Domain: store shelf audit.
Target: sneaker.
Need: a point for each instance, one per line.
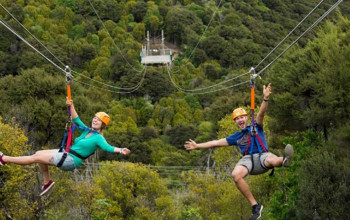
(256, 209)
(46, 187)
(2, 162)
(287, 155)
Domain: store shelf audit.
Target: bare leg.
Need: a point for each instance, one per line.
(45, 171)
(43, 158)
(273, 161)
(238, 175)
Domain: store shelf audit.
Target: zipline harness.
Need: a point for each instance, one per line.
(254, 135)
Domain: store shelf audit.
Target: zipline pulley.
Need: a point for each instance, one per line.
(69, 76)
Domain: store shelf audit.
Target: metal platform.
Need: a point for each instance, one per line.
(155, 56)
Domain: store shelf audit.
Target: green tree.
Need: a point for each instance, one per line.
(16, 181)
(133, 191)
(70, 3)
(139, 11)
(108, 10)
(163, 154)
(164, 112)
(156, 85)
(177, 21)
(212, 69)
(76, 32)
(36, 100)
(206, 131)
(148, 133)
(180, 134)
(213, 198)
(123, 64)
(153, 23)
(323, 188)
(199, 56)
(307, 94)
(8, 64)
(153, 20)
(214, 46)
(232, 19)
(139, 32)
(223, 105)
(197, 9)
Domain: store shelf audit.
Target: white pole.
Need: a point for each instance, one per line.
(148, 44)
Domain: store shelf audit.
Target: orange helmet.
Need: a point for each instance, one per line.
(238, 112)
(103, 117)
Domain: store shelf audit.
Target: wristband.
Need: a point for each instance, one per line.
(121, 150)
(266, 100)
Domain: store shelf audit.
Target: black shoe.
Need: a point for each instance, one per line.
(287, 156)
(256, 209)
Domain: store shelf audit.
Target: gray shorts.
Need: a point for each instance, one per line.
(259, 166)
(68, 164)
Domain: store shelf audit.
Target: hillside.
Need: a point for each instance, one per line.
(155, 109)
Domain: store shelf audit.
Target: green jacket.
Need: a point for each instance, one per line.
(86, 146)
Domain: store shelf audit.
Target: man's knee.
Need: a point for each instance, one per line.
(239, 173)
(236, 177)
(272, 161)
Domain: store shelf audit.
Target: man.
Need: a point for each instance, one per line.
(256, 158)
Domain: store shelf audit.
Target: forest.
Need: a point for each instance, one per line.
(155, 109)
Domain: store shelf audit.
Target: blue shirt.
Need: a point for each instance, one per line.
(240, 139)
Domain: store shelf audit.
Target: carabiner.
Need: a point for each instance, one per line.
(69, 76)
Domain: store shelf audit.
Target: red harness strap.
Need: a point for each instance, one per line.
(261, 143)
(248, 145)
(69, 140)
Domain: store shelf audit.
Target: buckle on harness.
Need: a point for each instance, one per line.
(253, 132)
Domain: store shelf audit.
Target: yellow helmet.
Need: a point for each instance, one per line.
(103, 117)
(238, 112)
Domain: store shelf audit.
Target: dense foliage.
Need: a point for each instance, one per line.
(308, 108)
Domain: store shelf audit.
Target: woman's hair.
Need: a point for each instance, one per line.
(103, 126)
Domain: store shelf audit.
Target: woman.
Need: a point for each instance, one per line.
(84, 146)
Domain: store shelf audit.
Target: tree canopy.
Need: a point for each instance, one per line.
(212, 43)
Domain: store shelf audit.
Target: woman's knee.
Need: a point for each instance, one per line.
(44, 156)
(36, 157)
